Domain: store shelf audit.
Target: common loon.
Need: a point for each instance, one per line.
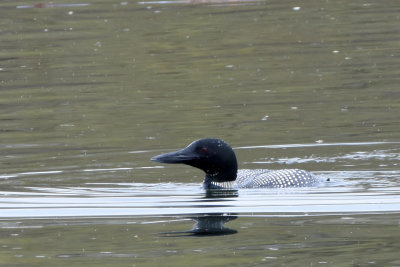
(217, 159)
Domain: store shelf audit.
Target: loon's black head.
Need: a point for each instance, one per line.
(215, 157)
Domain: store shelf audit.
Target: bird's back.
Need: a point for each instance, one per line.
(261, 178)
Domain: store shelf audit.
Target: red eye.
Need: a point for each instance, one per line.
(203, 149)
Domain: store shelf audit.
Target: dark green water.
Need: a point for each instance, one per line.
(90, 91)
(326, 240)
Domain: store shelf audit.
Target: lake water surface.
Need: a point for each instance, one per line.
(90, 91)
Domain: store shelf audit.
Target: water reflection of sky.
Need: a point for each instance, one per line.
(338, 197)
(372, 189)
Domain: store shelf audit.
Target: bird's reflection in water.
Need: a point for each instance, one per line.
(207, 225)
(221, 193)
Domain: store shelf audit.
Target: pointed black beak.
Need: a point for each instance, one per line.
(181, 156)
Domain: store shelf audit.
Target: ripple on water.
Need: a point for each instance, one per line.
(373, 189)
(348, 195)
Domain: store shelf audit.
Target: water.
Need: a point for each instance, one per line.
(90, 91)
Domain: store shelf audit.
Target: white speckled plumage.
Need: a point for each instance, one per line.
(274, 178)
(261, 178)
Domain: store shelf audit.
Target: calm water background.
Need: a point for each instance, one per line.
(89, 91)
